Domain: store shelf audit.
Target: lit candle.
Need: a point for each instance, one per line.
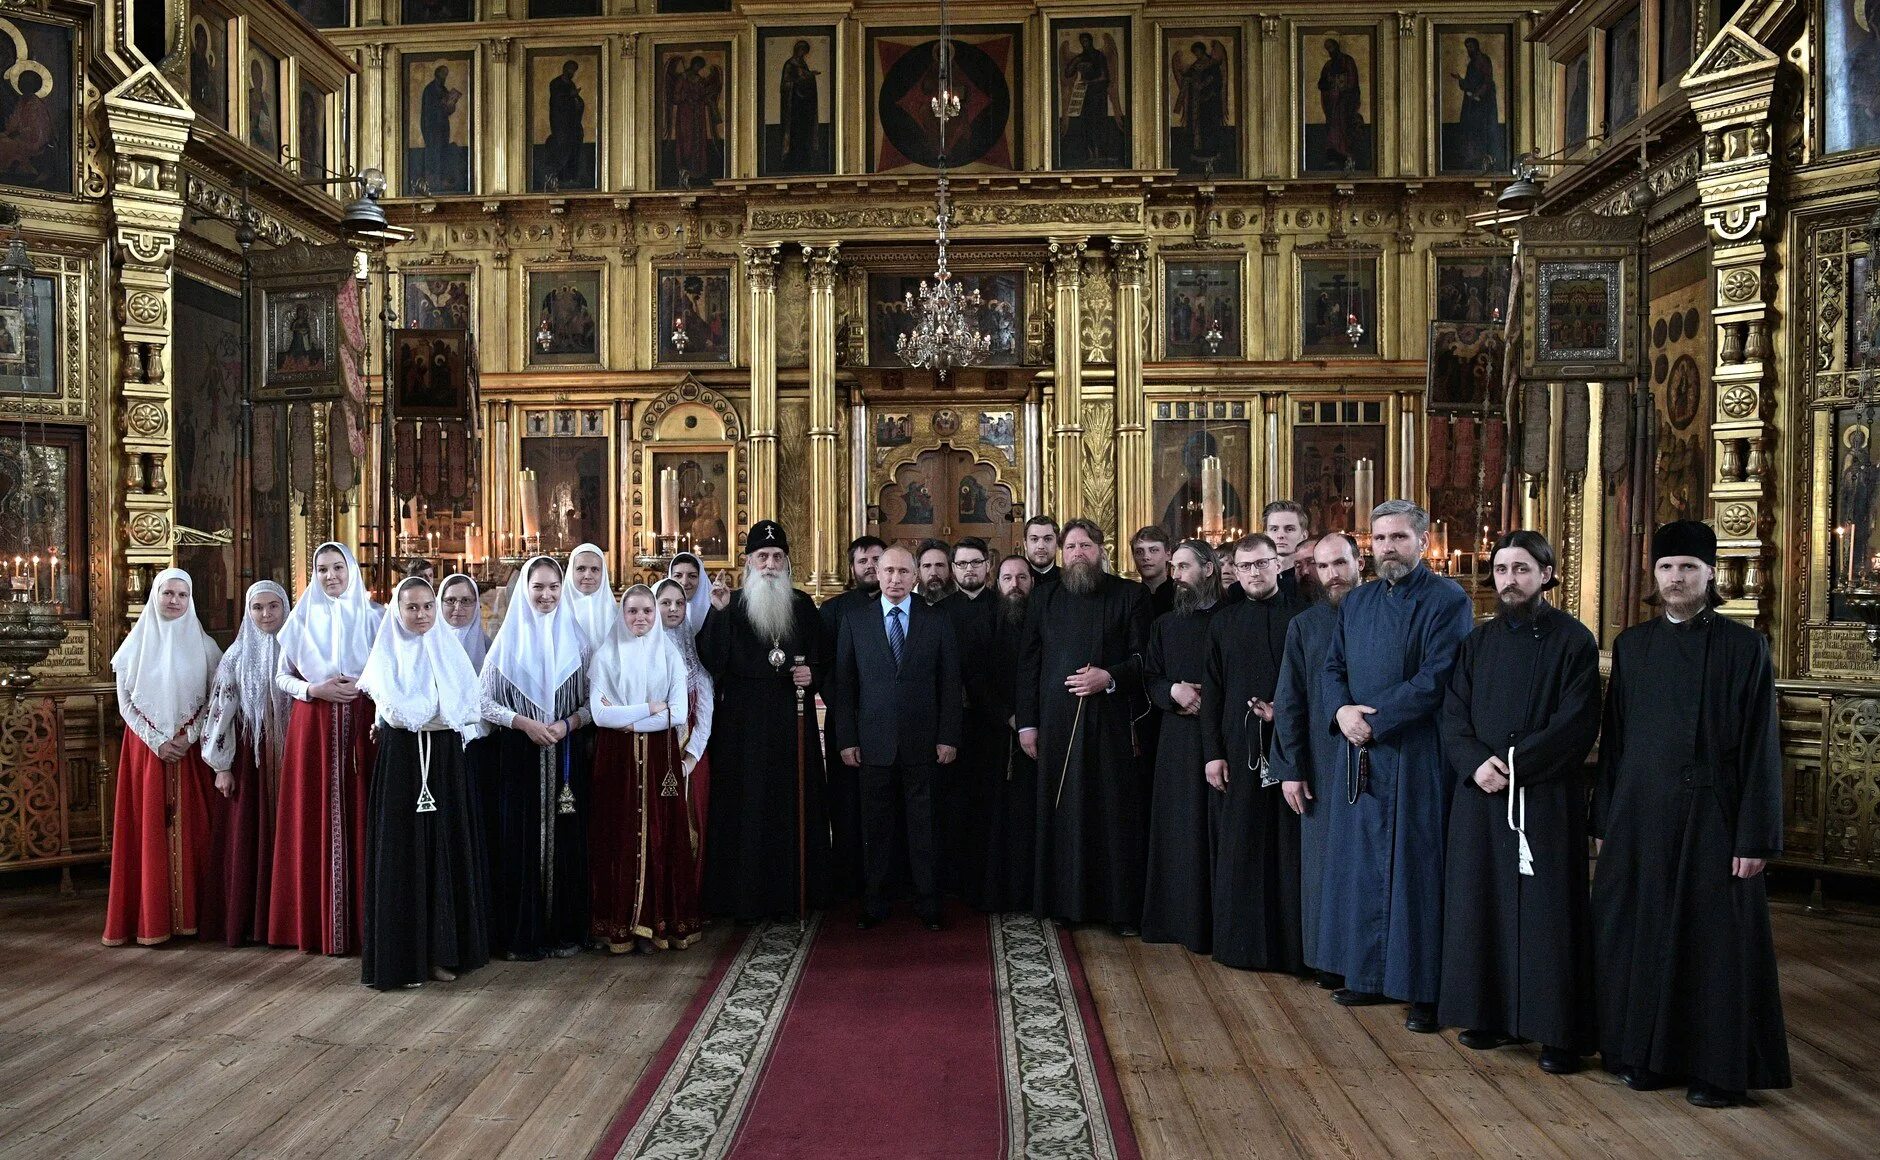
(1364, 480)
(669, 502)
(54, 595)
(531, 506)
(1212, 501)
(1841, 558)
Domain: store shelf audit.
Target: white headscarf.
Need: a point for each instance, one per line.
(634, 670)
(415, 679)
(535, 654)
(164, 668)
(475, 641)
(700, 602)
(327, 636)
(244, 690)
(593, 611)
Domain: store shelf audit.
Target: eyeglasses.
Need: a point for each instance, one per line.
(459, 601)
(1260, 565)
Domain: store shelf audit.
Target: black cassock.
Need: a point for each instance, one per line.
(1176, 905)
(1093, 807)
(845, 783)
(1689, 778)
(425, 890)
(1517, 948)
(964, 793)
(1009, 880)
(751, 831)
(1256, 834)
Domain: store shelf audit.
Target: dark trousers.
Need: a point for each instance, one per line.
(881, 785)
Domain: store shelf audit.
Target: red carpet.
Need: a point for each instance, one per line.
(832, 1042)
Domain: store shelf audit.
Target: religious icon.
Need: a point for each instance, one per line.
(1465, 366)
(1856, 495)
(564, 97)
(321, 13)
(1851, 75)
(300, 332)
(1578, 304)
(1472, 288)
(1201, 313)
(917, 503)
(437, 124)
(204, 465)
(797, 135)
(1578, 73)
(1474, 102)
(51, 512)
(1203, 100)
(999, 429)
(1178, 448)
(312, 129)
(1329, 437)
(29, 338)
(704, 487)
(208, 79)
(973, 497)
(1676, 40)
(1622, 72)
(695, 301)
(1333, 294)
(693, 118)
(564, 321)
(438, 301)
(264, 100)
(1092, 94)
(1337, 87)
(431, 373)
(437, 11)
(1000, 316)
(574, 484)
(893, 430)
(904, 67)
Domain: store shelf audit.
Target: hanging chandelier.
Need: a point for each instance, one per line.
(943, 330)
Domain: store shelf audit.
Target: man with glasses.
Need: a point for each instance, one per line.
(1256, 838)
(1381, 902)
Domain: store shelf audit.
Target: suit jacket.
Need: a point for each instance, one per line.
(896, 715)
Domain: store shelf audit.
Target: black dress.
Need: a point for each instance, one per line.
(1177, 903)
(538, 850)
(424, 871)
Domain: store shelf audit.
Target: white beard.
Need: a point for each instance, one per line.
(770, 604)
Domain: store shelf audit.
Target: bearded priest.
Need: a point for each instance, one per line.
(768, 655)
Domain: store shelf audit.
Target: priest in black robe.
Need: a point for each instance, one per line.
(762, 645)
(1041, 549)
(1079, 693)
(963, 798)
(1256, 837)
(1009, 879)
(845, 785)
(1288, 525)
(1151, 549)
(1688, 807)
(1518, 721)
(1177, 903)
(1308, 754)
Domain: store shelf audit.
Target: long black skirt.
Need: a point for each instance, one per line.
(538, 852)
(424, 871)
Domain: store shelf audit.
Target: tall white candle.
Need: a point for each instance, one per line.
(531, 505)
(668, 502)
(1212, 501)
(1362, 491)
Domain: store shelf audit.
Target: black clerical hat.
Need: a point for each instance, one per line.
(1685, 538)
(766, 534)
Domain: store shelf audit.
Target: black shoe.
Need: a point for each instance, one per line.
(1128, 930)
(1422, 1019)
(1705, 1095)
(1641, 1080)
(1486, 1039)
(1346, 997)
(869, 921)
(1560, 1061)
(1328, 981)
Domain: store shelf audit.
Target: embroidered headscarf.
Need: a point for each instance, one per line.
(244, 692)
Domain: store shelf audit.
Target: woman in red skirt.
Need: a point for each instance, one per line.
(675, 616)
(160, 842)
(317, 889)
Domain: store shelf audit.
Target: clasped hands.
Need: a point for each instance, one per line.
(543, 735)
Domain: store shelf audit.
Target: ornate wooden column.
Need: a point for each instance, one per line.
(1067, 434)
(825, 577)
(148, 125)
(760, 274)
(1133, 507)
(1731, 89)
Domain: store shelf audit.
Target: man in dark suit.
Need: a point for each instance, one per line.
(898, 669)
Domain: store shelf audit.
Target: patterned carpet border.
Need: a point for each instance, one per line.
(695, 1111)
(1055, 1108)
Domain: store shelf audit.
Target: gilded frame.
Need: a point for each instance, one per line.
(1580, 248)
(573, 419)
(527, 320)
(671, 422)
(1160, 323)
(74, 280)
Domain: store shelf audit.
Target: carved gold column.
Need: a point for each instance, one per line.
(1067, 436)
(824, 481)
(1731, 89)
(1133, 509)
(147, 125)
(760, 274)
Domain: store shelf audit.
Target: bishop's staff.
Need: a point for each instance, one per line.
(802, 828)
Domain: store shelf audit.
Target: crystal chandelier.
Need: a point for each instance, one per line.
(943, 331)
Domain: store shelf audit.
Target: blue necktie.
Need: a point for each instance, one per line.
(897, 636)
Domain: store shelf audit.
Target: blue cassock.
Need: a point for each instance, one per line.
(1304, 751)
(1381, 897)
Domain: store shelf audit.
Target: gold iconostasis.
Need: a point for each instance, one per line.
(650, 264)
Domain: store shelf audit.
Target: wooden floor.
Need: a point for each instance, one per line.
(201, 1050)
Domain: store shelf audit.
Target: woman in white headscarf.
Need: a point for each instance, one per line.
(159, 855)
(318, 884)
(701, 699)
(642, 836)
(535, 693)
(589, 594)
(424, 915)
(688, 571)
(242, 743)
(460, 602)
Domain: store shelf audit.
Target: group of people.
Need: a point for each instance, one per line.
(1251, 752)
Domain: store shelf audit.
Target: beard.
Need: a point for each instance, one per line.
(1081, 579)
(770, 603)
(1512, 604)
(934, 591)
(870, 585)
(1391, 571)
(1012, 607)
(1191, 598)
(1684, 607)
(1335, 592)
